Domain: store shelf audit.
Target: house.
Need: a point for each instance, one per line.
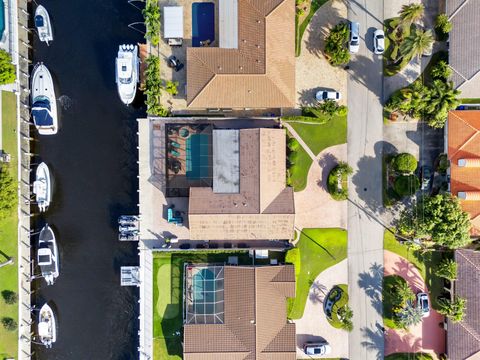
(238, 312)
(249, 199)
(464, 155)
(463, 338)
(254, 67)
(464, 54)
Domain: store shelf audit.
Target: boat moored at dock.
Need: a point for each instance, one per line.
(47, 255)
(43, 24)
(127, 69)
(44, 103)
(47, 326)
(42, 187)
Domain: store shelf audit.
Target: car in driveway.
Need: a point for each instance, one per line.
(354, 42)
(378, 42)
(423, 303)
(425, 177)
(324, 94)
(319, 348)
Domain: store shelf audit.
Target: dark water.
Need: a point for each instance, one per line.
(93, 160)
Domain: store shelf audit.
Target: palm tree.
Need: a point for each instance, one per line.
(410, 14)
(454, 310)
(417, 43)
(404, 293)
(409, 315)
(447, 269)
(443, 98)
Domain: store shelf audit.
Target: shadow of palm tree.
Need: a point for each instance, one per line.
(371, 283)
(374, 341)
(317, 292)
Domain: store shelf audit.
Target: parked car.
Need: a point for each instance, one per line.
(323, 95)
(423, 303)
(320, 348)
(354, 43)
(378, 42)
(425, 177)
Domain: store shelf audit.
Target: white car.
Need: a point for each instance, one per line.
(354, 43)
(378, 42)
(423, 303)
(320, 348)
(323, 95)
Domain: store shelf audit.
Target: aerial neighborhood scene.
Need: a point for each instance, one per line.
(240, 179)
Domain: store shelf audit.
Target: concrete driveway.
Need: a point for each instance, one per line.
(314, 326)
(427, 336)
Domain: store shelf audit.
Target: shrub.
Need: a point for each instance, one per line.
(406, 185)
(151, 14)
(171, 87)
(404, 163)
(9, 324)
(339, 172)
(342, 110)
(293, 144)
(442, 24)
(7, 69)
(441, 71)
(454, 310)
(293, 257)
(153, 86)
(8, 190)
(336, 45)
(443, 164)
(447, 269)
(328, 107)
(10, 297)
(293, 157)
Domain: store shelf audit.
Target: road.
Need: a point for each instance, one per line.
(365, 133)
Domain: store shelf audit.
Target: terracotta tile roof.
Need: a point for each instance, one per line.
(263, 208)
(255, 326)
(464, 143)
(260, 73)
(463, 338)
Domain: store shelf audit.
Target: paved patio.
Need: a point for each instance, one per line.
(312, 68)
(428, 336)
(314, 326)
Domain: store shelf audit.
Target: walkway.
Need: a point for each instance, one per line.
(365, 234)
(314, 326)
(314, 207)
(427, 336)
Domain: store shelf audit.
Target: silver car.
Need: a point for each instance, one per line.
(378, 42)
(323, 95)
(320, 348)
(423, 303)
(354, 43)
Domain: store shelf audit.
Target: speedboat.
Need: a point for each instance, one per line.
(127, 227)
(127, 72)
(44, 103)
(47, 331)
(47, 255)
(43, 24)
(42, 187)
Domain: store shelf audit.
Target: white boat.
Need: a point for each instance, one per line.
(47, 326)
(44, 103)
(42, 187)
(127, 70)
(47, 255)
(43, 24)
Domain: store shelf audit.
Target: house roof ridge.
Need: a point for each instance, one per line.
(468, 260)
(469, 139)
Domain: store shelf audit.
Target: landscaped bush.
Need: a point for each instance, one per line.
(9, 324)
(443, 164)
(339, 175)
(406, 185)
(336, 45)
(454, 310)
(292, 157)
(151, 14)
(404, 163)
(293, 144)
(442, 26)
(398, 299)
(293, 257)
(153, 87)
(7, 69)
(340, 315)
(441, 71)
(171, 87)
(10, 297)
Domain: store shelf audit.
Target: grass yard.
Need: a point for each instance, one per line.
(409, 356)
(470, 101)
(8, 230)
(319, 250)
(302, 23)
(167, 296)
(299, 172)
(322, 136)
(425, 263)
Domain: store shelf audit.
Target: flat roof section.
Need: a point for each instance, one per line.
(228, 19)
(226, 161)
(173, 22)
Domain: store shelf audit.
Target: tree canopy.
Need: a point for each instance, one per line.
(7, 69)
(447, 269)
(454, 310)
(417, 43)
(410, 14)
(404, 163)
(336, 45)
(439, 219)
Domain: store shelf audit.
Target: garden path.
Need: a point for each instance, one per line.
(428, 336)
(314, 207)
(314, 326)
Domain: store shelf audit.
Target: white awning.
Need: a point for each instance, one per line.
(228, 24)
(173, 22)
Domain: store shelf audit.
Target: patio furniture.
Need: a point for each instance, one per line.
(174, 152)
(184, 133)
(173, 218)
(175, 144)
(232, 260)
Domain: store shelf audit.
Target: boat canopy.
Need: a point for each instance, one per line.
(124, 69)
(39, 21)
(44, 256)
(41, 112)
(44, 329)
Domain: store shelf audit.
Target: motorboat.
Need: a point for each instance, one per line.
(129, 236)
(127, 220)
(42, 187)
(127, 70)
(47, 255)
(47, 326)
(128, 227)
(44, 103)
(43, 24)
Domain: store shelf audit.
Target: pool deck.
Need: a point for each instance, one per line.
(179, 102)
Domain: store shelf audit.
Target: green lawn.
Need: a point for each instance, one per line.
(322, 136)
(409, 356)
(425, 263)
(167, 296)
(8, 230)
(299, 172)
(470, 101)
(300, 28)
(319, 250)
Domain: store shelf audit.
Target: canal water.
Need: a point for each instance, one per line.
(93, 160)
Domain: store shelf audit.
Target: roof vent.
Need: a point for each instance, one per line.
(244, 40)
(240, 67)
(219, 68)
(244, 204)
(469, 162)
(252, 322)
(258, 21)
(258, 46)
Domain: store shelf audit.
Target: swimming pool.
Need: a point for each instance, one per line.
(203, 22)
(2, 18)
(197, 157)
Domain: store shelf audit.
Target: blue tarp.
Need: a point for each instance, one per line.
(41, 113)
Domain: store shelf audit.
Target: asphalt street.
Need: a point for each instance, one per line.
(365, 146)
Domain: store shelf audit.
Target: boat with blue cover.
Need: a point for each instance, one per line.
(44, 103)
(43, 24)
